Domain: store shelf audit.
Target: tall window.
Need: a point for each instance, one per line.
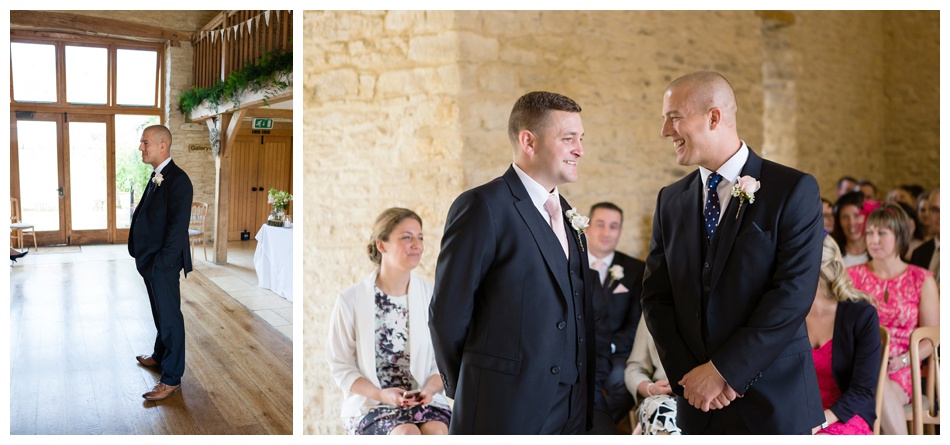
(95, 72)
(80, 107)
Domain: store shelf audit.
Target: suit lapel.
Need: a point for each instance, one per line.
(690, 210)
(729, 225)
(540, 230)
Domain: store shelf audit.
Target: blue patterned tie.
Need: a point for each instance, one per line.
(711, 212)
(148, 186)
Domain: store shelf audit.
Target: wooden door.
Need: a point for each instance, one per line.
(259, 163)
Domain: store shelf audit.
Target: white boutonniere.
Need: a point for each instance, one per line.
(578, 222)
(158, 179)
(745, 189)
(616, 273)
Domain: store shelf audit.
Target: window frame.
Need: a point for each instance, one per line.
(60, 42)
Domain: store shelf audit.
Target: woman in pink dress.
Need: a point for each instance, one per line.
(846, 347)
(906, 298)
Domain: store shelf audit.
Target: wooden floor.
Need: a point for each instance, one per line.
(75, 329)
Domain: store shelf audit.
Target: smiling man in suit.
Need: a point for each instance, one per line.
(511, 312)
(158, 240)
(621, 277)
(730, 279)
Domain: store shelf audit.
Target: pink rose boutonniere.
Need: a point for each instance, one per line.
(745, 189)
(158, 179)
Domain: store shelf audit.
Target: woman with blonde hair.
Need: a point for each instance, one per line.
(846, 347)
(906, 297)
(379, 349)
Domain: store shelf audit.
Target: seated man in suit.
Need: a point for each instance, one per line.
(621, 278)
(928, 254)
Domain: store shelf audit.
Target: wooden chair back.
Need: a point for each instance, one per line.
(881, 379)
(924, 400)
(196, 227)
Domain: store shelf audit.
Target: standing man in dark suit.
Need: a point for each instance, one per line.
(730, 278)
(621, 277)
(158, 240)
(511, 313)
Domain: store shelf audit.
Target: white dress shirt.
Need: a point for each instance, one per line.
(158, 170)
(602, 270)
(537, 193)
(730, 174)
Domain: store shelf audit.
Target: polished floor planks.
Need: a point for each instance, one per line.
(76, 328)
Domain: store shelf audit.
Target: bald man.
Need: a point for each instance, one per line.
(158, 240)
(729, 279)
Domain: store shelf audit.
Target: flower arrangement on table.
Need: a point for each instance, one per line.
(280, 200)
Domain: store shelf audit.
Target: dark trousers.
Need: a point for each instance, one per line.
(164, 295)
(568, 412)
(617, 397)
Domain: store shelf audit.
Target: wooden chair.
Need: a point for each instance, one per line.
(18, 228)
(924, 403)
(196, 227)
(881, 379)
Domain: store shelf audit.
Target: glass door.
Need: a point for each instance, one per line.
(74, 182)
(87, 193)
(38, 139)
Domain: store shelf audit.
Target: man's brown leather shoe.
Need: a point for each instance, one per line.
(161, 391)
(147, 360)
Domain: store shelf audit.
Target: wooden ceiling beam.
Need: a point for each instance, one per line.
(273, 113)
(96, 26)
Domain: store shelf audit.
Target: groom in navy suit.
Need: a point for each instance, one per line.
(729, 279)
(158, 240)
(511, 315)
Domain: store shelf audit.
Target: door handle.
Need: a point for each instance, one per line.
(61, 193)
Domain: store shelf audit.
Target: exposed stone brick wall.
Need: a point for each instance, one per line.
(410, 108)
(198, 164)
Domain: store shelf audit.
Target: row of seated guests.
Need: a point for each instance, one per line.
(845, 220)
(374, 320)
(906, 297)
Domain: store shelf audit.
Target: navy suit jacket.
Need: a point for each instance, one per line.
(623, 308)
(158, 237)
(856, 360)
(743, 305)
(499, 310)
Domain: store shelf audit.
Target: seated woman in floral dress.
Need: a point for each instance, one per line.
(906, 298)
(846, 346)
(379, 349)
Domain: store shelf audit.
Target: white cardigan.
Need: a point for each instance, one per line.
(351, 348)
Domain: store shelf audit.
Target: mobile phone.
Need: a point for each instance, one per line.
(414, 394)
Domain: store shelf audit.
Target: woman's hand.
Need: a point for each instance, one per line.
(897, 363)
(661, 387)
(392, 396)
(424, 398)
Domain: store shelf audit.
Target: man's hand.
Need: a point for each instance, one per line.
(706, 389)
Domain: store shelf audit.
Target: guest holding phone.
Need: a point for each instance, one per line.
(379, 348)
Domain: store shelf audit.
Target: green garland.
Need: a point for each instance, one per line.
(264, 76)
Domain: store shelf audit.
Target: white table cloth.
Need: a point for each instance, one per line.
(274, 260)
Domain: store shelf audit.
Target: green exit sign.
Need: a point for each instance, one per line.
(261, 123)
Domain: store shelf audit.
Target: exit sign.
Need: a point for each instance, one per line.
(261, 123)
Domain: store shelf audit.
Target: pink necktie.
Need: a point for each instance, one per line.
(598, 265)
(553, 208)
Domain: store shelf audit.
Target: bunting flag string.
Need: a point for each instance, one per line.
(237, 30)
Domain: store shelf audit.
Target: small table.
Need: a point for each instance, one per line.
(274, 260)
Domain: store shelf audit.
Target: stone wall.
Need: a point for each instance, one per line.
(409, 108)
(198, 164)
